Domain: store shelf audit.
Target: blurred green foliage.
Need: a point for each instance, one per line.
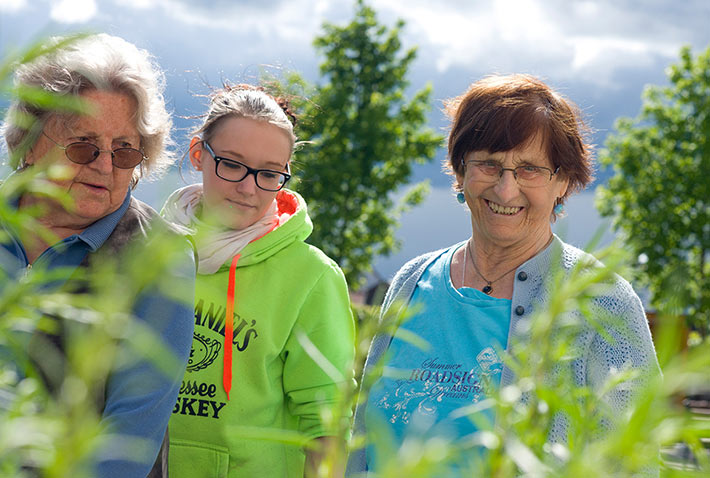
(364, 137)
(59, 434)
(659, 197)
(636, 443)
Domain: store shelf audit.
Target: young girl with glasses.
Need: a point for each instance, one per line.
(263, 297)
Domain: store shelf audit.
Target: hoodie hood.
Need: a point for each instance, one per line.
(294, 225)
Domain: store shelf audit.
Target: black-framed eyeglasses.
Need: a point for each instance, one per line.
(529, 176)
(82, 152)
(234, 171)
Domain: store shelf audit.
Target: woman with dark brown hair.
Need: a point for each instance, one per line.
(516, 153)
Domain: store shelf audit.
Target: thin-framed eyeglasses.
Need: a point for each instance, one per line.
(81, 152)
(234, 171)
(527, 175)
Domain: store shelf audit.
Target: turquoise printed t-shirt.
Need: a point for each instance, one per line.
(426, 392)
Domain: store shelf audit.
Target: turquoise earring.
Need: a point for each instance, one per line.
(559, 209)
(460, 198)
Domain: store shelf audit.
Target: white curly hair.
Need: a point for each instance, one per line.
(102, 62)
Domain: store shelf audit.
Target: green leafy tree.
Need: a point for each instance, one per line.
(365, 137)
(660, 195)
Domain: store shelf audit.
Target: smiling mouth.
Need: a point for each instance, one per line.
(504, 210)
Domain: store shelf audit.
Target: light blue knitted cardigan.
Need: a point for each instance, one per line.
(596, 357)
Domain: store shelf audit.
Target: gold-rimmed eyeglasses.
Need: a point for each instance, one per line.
(82, 152)
(526, 175)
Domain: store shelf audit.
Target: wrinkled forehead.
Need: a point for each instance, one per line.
(61, 122)
(89, 121)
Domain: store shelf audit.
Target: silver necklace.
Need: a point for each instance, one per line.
(463, 274)
(488, 288)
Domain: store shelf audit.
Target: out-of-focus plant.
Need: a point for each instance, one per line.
(53, 428)
(599, 444)
(57, 434)
(517, 443)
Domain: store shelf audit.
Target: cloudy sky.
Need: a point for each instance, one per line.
(599, 53)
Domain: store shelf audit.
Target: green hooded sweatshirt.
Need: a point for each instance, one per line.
(283, 287)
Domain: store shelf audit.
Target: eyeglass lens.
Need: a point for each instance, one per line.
(85, 153)
(532, 176)
(235, 172)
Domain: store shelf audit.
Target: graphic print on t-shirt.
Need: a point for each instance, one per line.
(435, 384)
(430, 387)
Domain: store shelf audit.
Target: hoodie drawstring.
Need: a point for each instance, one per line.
(229, 328)
(287, 206)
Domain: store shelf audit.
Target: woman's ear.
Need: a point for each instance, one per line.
(196, 153)
(458, 185)
(29, 158)
(563, 186)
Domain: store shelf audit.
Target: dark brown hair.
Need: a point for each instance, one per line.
(500, 113)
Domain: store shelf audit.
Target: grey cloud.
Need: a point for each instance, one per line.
(662, 20)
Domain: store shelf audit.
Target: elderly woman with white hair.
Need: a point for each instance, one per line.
(105, 150)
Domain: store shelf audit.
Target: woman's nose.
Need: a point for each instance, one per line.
(507, 187)
(103, 162)
(248, 184)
